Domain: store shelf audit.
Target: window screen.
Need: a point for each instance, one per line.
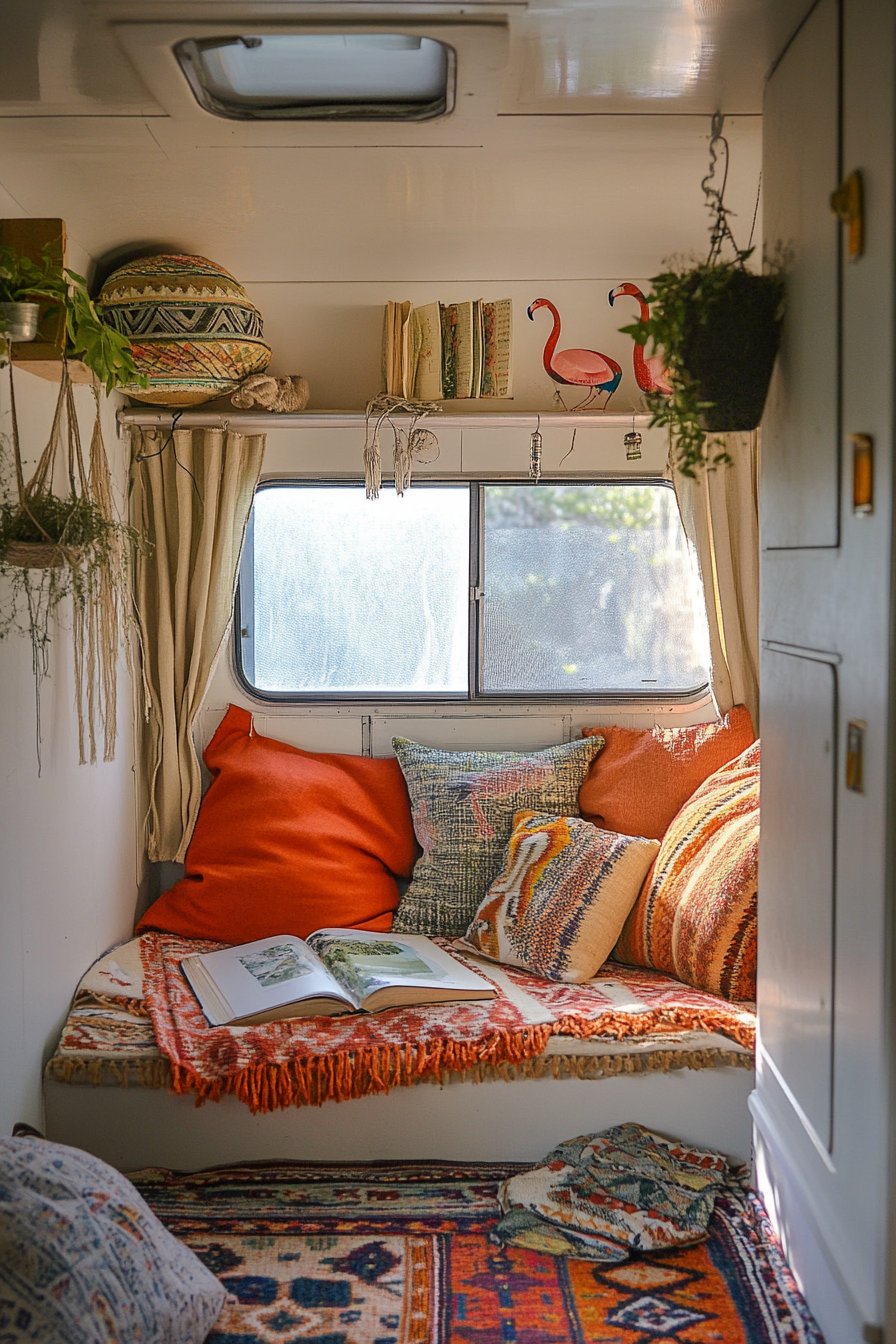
(470, 591)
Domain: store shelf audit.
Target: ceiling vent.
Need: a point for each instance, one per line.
(320, 76)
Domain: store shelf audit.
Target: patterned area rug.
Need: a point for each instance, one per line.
(399, 1253)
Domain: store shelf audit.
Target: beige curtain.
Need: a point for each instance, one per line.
(191, 495)
(720, 513)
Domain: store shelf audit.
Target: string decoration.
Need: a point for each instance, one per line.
(535, 447)
(715, 195)
(409, 446)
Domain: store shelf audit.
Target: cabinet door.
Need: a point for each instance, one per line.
(801, 167)
(796, 931)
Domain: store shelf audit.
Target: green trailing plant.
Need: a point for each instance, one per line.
(716, 325)
(88, 338)
(25, 281)
(67, 555)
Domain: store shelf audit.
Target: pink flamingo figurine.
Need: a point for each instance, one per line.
(577, 368)
(650, 374)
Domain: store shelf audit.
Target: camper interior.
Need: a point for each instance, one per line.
(509, 567)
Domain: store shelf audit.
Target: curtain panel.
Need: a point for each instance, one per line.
(191, 495)
(720, 514)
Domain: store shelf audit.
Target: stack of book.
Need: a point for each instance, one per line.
(448, 351)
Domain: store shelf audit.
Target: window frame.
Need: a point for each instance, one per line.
(473, 697)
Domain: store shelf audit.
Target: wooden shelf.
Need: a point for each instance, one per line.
(51, 369)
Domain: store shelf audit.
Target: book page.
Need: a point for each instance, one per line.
(464, 350)
(388, 344)
(497, 321)
(448, 319)
(365, 963)
(410, 353)
(476, 389)
(428, 369)
(260, 977)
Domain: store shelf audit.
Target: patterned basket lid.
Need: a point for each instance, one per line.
(194, 331)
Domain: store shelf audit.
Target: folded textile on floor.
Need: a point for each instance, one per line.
(602, 1196)
(308, 1061)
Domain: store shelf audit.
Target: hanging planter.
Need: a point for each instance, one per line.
(718, 326)
(67, 547)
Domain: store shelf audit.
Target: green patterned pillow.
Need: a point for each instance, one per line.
(463, 804)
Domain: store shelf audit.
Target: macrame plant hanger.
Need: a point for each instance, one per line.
(408, 445)
(90, 564)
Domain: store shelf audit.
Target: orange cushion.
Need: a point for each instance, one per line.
(696, 915)
(289, 841)
(643, 777)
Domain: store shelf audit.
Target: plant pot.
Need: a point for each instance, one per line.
(731, 350)
(18, 321)
(35, 555)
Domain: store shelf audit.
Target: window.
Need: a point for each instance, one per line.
(321, 76)
(469, 591)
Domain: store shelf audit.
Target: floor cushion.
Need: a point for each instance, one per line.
(602, 1196)
(463, 804)
(643, 776)
(289, 841)
(696, 916)
(82, 1257)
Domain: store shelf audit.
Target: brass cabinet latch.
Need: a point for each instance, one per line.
(848, 205)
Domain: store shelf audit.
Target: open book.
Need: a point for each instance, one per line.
(448, 351)
(335, 971)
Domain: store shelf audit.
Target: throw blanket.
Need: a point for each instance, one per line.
(308, 1061)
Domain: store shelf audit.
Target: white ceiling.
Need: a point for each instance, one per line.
(573, 159)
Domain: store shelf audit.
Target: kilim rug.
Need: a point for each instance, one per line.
(306, 1061)
(399, 1253)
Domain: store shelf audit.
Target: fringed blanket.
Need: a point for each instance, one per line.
(309, 1061)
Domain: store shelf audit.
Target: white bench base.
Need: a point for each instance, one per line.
(495, 1121)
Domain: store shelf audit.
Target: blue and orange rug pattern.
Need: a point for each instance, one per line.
(400, 1253)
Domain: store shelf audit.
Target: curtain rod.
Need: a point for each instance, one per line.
(261, 421)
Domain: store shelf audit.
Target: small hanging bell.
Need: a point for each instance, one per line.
(535, 456)
(632, 442)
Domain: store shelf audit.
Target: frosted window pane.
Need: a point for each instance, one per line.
(358, 595)
(589, 588)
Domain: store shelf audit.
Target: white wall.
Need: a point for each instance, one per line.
(68, 859)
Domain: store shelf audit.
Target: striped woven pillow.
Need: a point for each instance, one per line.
(696, 915)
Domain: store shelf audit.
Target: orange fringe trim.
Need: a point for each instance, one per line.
(156, 1073)
(623, 1026)
(344, 1076)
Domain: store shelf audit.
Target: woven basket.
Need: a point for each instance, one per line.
(36, 555)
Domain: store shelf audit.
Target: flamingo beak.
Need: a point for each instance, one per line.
(531, 309)
(614, 294)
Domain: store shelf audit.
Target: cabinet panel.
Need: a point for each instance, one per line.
(800, 445)
(796, 880)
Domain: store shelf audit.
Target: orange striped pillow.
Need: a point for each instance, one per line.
(696, 915)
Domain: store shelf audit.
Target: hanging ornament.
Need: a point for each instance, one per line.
(632, 443)
(535, 453)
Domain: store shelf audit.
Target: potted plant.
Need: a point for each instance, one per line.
(23, 283)
(718, 327)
